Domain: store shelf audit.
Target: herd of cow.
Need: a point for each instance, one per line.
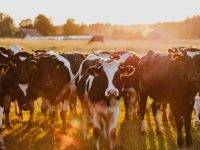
(99, 80)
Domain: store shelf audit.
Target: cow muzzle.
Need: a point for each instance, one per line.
(112, 93)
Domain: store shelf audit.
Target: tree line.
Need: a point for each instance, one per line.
(188, 28)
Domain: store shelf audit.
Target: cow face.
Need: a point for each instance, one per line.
(110, 72)
(25, 64)
(190, 57)
(49, 68)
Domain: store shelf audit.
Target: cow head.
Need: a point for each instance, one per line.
(190, 57)
(49, 67)
(109, 72)
(7, 66)
(26, 64)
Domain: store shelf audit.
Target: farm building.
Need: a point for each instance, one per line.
(23, 33)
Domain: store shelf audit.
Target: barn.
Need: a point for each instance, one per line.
(23, 33)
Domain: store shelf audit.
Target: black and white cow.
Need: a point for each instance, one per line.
(130, 84)
(99, 90)
(174, 78)
(56, 73)
(75, 60)
(28, 78)
(7, 82)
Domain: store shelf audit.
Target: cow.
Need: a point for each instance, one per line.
(55, 74)
(96, 38)
(173, 78)
(130, 84)
(75, 60)
(28, 74)
(7, 82)
(99, 90)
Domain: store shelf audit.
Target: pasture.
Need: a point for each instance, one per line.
(39, 137)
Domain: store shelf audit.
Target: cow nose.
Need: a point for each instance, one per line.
(112, 93)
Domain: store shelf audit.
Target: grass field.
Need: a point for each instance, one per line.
(39, 137)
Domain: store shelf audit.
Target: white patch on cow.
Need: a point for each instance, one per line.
(23, 87)
(66, 63)
(113, 121)
(197, 109)
(5, 55)
(22, 58)
(143, 126)
(110, 68)
(89, 57)
(15, 48)
(124, 57)
(89, 82)
(157, 120)
(192, 54)
(50, 107)
(65, 105)
(1, 116)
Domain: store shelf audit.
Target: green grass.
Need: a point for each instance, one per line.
(39, 137)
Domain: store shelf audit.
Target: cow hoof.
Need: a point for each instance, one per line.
(30, 124)
(159, 132)
(143, 132)
(127, 118)
(8, 126)
(164, 119)
(180, 143)
(2, 145)
(188, 141)
(197, 123)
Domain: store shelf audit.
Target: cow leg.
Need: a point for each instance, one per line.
(32, 109)
(84, 119)
(63, 113)
(187, 121)
(20, 114)
(52, 114)
(7, 104)
(127, 106)
(2, 145)
(44, 107)
(72, 104)
(197, 112)
(16, 107)
(164, 110)
(142, 105)
(96, 128)
(170, 113)
(156, 113)
(179, 126)
(112, 128)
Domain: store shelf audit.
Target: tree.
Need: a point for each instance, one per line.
(6, 26)
(43, 25)
(70, 27)
(26, 24)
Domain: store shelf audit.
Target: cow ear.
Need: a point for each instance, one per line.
(94, 71)
(115, 56)
(127, 71)
(177, 56)
(3, 68)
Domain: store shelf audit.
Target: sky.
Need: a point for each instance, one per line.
(123, 12)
